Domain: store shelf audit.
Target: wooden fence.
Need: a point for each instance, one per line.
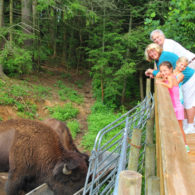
(173, 165)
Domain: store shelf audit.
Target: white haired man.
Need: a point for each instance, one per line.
(157, 36)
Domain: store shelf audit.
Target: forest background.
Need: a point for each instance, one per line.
(106, 38)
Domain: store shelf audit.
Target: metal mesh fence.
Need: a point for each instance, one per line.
(108, 158)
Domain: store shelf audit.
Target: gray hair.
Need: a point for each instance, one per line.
(156, 31)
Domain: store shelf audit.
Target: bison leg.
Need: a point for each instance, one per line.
(14, 184)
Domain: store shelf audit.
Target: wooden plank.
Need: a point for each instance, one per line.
(191, 142)
(41, 190)
(158, 147)
(177, 168)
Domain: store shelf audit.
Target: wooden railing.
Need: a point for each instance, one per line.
(173, 165)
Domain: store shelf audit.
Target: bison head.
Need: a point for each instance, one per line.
(68, 176)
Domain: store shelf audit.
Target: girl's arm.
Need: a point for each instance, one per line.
(180, 78)
(168, 85)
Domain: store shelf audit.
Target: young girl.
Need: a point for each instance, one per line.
(179, 76)
(188, 89)
(170, 81)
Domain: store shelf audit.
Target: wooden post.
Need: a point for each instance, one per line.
(148, 87)
(153, 185)
(150, 129)
(149, 164)
(134, 150)
(129, 183)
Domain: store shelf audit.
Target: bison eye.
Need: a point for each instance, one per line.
(75, 176)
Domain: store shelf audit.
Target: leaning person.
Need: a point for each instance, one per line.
(188, 89)
(170, 81)
(155, 52)
(157, 36)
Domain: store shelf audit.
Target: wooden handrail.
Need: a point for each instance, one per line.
(173, 165)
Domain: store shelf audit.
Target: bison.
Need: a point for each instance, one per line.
(7, 135)
(65, 136)
(37, 156)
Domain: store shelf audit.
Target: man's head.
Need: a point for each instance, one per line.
(158, 37)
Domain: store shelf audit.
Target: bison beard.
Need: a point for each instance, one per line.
(37, 156)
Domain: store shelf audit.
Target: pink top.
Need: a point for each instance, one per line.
(178, 107)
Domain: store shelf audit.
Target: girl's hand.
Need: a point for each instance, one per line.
(158, 81)
(159, 75)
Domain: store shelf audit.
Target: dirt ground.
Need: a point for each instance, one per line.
(8, 112)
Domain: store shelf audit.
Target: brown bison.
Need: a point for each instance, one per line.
(7, 135)
(65, 136)
(37, 156)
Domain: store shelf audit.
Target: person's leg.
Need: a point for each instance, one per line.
(190, 116)
(182, 131)
(185, 121)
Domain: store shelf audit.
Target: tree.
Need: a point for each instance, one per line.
(2, 39)
(27, 19)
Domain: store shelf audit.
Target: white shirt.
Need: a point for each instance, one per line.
(174, 47)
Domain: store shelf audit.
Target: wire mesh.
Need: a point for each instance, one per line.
(108, 158)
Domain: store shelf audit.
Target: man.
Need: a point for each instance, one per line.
(157, 36)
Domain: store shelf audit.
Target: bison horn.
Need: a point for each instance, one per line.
(65, 171)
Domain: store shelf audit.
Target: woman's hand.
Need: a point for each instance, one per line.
(149, 72)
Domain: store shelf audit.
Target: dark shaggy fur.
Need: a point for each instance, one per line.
(37, 156)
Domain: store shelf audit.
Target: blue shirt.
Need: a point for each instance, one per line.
(166, 56)
(188, 72)
(172, 58)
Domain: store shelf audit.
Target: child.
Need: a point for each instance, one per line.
(188, 89)
(179, 76)
(170, 81)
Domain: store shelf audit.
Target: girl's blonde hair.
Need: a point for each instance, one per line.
(151, 46)
(182, 59)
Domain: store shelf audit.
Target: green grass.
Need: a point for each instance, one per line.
(64, 112)
(73, 125)
(20, 95)
(66, 93)
(100, 117)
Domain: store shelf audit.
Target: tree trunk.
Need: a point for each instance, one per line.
(11, 20)
(36, 33)
(141, 85)
(64, 53)
(53, 29)
(123, 91)
(1, 12)
(103, 48)
(26, 19)
(127, 56)
(2, 75)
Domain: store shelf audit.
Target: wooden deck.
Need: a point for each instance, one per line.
(191, 154)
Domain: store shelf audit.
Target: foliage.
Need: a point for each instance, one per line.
(66, 93)
(41, 91)
(16, 60)
(73, 125)
(101, 116)
(180, 19)
(20, 95)
(177, 21)
(63, 113)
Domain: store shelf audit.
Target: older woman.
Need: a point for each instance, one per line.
(155, 52)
